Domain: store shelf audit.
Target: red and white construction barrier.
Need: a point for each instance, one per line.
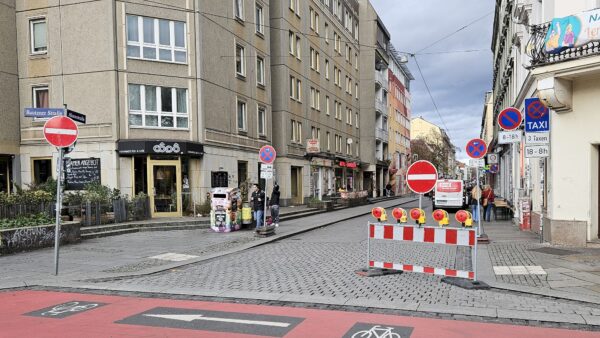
(424, 234)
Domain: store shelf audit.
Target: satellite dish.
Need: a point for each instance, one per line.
(350, 141)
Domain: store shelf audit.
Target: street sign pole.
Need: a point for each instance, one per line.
(479, 206)
(58, 209)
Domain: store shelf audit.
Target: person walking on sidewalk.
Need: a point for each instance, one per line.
(274, 203)
(488, 202)
(258, 204)
(475, 196)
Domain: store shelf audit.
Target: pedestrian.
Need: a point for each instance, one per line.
(475, 196)
(488, 202)
(274, 203)
(388, 189)
(258, 204)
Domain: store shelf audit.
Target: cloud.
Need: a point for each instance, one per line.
(458, 81)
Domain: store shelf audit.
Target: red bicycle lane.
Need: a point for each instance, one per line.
(65, 314)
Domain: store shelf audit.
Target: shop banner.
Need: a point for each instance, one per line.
(572, 31)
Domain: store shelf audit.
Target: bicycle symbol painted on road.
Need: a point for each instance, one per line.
(65, 309)
(377, 332)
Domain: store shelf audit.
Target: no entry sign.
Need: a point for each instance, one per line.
(476, 148)
(267, 154)
(61, 131)
(510, 118)
(421, 177)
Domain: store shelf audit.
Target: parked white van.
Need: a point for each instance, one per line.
(448, 194)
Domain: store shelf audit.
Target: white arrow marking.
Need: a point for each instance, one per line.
(421, 177)
(61, 131)
(190, 318)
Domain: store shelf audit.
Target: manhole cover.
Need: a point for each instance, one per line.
(554, 251)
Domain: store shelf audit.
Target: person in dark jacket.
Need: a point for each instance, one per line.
(258, 204)
(274, 203)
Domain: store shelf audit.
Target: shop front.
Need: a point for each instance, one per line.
(346, 176)
(5, 173)
(321, 180)
(161, 170)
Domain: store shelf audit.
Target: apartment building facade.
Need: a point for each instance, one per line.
(315, 75)
(374, 64)
(177, 97)
(9, 98)
(533, 58)
(399, 122)
(440, 147)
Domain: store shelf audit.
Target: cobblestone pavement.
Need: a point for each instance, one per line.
(321, 263)
(516, 254)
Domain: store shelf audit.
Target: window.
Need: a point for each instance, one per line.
(260, 70)
(356, 90)
(42, 170)
(335, 45)
(295, 6)
(327, 104)
(241, 115)
(157, 107)
(314, 20)
(356, 119)
(39, 36)
(298, 90)
(348, 116)
(339, 78)
(259, 19)
(292, 42)
(318, 97)
(348, 149)
(313, 58)
(319, 134)
(262, 120)
(328, 141)
(240, 60)
(296, 132)
(299, 132)
(326, 32)
(356, 61)
(313, 132)
(335, 75)
(238, 8)
(313, 100)
(41, 97)
(156, 39)
(292, 87)
(298, 49)
(327, 69)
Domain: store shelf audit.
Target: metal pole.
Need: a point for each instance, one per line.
(543, 178)
(265, 201)
(368, 246)
(479, 206)
(474, 261)
(58, 208)
(420, 202)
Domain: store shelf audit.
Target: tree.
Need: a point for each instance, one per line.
(434, 151)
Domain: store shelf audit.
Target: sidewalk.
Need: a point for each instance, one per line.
(516, 260)
(150, 252)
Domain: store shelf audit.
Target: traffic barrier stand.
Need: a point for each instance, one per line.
(430, 235)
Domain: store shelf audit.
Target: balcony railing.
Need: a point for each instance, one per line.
(381, 106)
(381, 134)
(540, 57)
(381, 78)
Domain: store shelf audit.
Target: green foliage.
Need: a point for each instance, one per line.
(98, 193)
(25, 221)
(205, 207)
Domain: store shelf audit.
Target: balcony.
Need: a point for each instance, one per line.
(381, 106)
(540, 57)
(381, 78)
(381, 134)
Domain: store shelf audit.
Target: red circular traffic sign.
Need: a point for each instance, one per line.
(476, 148)
(510, 118)
(421, 177)
(61, 131)
(267, 154)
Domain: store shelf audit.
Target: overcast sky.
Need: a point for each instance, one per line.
(458, 81)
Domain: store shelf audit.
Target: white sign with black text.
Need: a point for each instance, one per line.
(476, 162)
(266, 171)
(506, 137)
(537, 151)
(537, 138)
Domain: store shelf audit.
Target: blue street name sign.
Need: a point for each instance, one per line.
(537, 116)
(44, 112)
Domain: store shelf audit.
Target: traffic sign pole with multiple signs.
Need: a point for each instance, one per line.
(61, 132)
(476, 149)
(266, 155)
(537, 141)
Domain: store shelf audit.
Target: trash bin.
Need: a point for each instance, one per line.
(246, 215)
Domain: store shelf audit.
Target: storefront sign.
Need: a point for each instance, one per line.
(350, 165)
(158, 147)
(322, 162)
(80, 172)
(572, 31)
(313, 146)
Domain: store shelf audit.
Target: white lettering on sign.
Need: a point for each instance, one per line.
(537, 151)
(162, 148)
(506, 137)
(542, 125)
(537, 138)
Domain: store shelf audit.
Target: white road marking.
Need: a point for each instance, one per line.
(60, 131)
(190, 318)
(173, 257)
(519, 270)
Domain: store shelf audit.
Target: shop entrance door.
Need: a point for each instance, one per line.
(296, 184)
(164, 180)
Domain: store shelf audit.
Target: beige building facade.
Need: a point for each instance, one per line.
(421, 129)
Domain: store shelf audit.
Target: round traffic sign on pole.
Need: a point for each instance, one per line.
(421, 177)
(476, 148)
(510, 118)
(61, 131)
(267, 154)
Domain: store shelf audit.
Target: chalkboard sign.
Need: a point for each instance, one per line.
(80, 172)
